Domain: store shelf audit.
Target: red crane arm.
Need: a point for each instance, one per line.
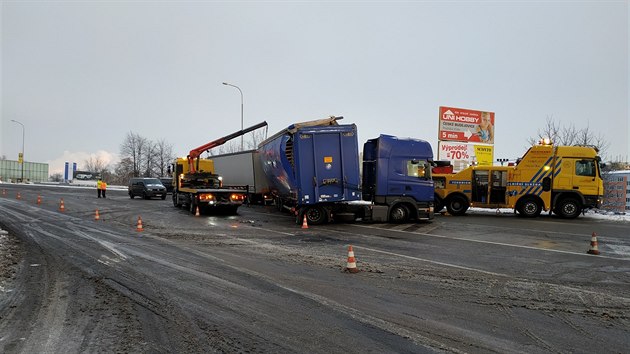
(194, 154)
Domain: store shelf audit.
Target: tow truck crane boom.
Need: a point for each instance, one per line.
(193, 155)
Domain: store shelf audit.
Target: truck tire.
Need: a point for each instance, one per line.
(315, 215)
(175, 203)
(192, 206)
(457, 205)
(529, 208)
(131, 195)
(568, 208)
(439, 204)
(399, 214)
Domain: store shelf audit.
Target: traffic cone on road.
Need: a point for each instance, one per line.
(139, 227)
(352, 262)
(593, 250)
(39, 199)
(18, 196)
(97, 216)
(62, 207)
(197, 211)
(304, 223)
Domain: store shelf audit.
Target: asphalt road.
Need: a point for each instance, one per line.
(257, 282)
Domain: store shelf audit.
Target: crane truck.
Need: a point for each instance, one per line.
(564, 180)
(197, 186)
(312, 169)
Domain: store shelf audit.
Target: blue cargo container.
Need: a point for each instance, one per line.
(313, 170)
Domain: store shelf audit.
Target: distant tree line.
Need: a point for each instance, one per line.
(142, 157)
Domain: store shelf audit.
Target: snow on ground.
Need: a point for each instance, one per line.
(590, 214)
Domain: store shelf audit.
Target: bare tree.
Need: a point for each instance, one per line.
(148, 159)
(95, 164)
(56, 177)
(570, 135)
(123, 171)
(163, 156)
(133, 148)
(256, 137)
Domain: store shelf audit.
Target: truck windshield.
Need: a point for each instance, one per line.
(419, 168)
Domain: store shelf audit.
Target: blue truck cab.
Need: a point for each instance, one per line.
(397, 178)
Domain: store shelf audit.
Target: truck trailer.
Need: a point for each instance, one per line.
(313, 170)
(564, 180)
(244, 168)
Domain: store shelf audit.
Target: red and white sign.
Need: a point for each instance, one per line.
(463, 155)
(465, 125)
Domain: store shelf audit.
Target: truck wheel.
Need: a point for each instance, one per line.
(457, 205)
(568, 208)
(175, 204)
(315, 215)
(399, 214)
(529, 208)
(131, 195)
(439, 204)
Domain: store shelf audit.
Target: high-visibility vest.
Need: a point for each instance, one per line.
(99, 185)
(103, 185)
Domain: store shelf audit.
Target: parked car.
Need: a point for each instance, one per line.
(168, 183)
(146, 188)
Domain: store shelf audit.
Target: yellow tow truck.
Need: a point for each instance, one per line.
(564, 180)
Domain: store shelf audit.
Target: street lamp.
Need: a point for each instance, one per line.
(239, 90)
(15, 121)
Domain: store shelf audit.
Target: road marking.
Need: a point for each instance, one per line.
(496, 243)
(432, 262)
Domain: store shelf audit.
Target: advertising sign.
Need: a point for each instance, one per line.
(463, 155)
(465, 125)
(86, 175)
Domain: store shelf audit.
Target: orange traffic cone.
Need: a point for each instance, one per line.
(97, 216)
(139, 227)
(304, 223)
(352, 262)
(197, 211)
(593, 250)
(39, 199)
(62, 207)
(18, 196)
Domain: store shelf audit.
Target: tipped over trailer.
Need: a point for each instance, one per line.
(313, 170)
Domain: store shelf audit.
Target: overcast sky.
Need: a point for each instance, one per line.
(81, 75)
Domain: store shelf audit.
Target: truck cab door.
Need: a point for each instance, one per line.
(583, 176)
(479, 184)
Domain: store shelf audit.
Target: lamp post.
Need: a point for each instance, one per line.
(239, 90)
(15, 121)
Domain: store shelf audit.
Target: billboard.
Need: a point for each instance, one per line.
(86, 175)
(463, 155)
(466, 125)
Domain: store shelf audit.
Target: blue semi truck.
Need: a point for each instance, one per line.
(313, 170)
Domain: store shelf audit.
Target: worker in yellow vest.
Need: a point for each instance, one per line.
(99, 187)
(103, 188)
